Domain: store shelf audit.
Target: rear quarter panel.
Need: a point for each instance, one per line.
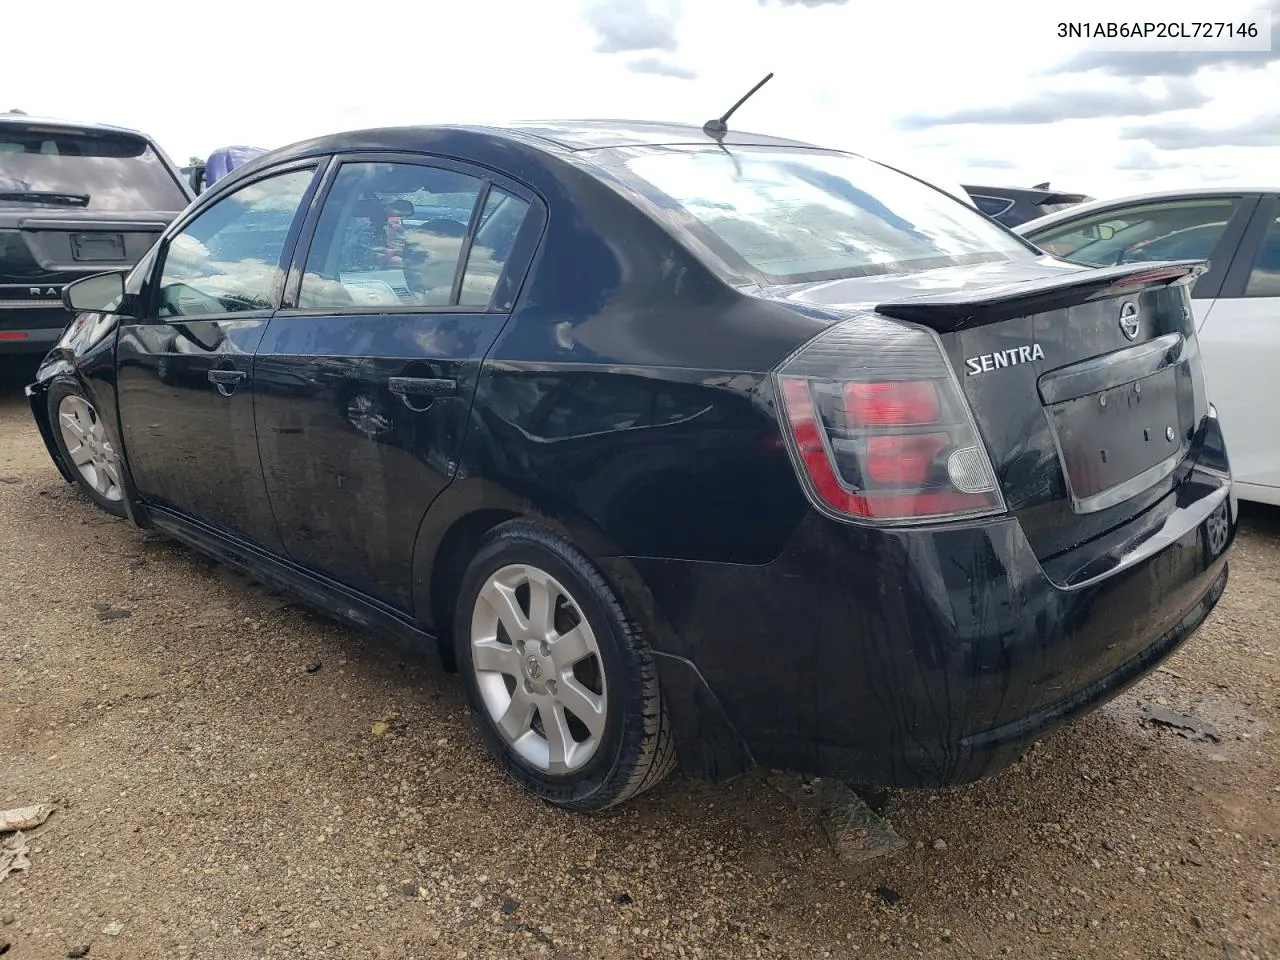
(628, 400)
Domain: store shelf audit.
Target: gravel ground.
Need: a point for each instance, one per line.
(217, 799)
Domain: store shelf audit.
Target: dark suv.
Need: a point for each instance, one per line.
(1016, 205)
(75, 199)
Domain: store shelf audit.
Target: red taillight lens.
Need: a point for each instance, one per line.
(13, 335)
(875, 444)
(904, 461)
(895, 403)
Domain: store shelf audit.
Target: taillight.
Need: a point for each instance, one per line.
(890, 403)
(879, 428)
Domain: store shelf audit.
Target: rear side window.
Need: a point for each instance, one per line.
(228, 259)
(1055, 207)
(992, 206)
(1264, 280)
(1181, 229)
(500, 223)
(796, 214)
(108, 172)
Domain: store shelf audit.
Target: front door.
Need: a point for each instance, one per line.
(1240, 340)
(365, 377)
(185, 365)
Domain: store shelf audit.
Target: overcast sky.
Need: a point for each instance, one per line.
(982, 92)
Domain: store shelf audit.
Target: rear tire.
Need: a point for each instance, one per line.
(562, 685)
(84, 446)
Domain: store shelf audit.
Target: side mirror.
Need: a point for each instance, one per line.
(1105, 232)
(101, 293)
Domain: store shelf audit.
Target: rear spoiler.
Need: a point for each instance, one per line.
(945, 312)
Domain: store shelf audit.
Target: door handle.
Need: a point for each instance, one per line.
(227, 377)
(406, 387)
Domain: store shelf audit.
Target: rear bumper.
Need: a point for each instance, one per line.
(928, 657)
(31, 330)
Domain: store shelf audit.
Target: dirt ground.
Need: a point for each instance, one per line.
(216, 799)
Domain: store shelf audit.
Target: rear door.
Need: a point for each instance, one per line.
(184, 367)
(1240, 339)
(365, 376)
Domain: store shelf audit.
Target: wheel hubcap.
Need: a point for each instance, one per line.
(537, 665)
(91, 452)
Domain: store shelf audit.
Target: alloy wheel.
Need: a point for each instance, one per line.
(538, 669)
(91, 452)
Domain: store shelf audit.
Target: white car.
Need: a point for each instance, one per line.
(1236, 303)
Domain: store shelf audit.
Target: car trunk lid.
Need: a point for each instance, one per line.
(43, 250)
(1085, 385)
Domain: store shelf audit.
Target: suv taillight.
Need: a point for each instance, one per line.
(879, 429)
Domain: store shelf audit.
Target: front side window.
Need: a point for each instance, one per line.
(49, 167)
(795, 215)
(390, 235)
(1172, 230)
(228, 259)
(1264, 279)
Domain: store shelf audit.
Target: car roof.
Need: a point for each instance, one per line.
(607, 134)
(1099, 206)
(553, 136)
(22, 119)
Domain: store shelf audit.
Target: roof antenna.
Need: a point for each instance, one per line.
(717, 128)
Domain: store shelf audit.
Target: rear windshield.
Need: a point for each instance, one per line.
(116, 172)
(796, 215)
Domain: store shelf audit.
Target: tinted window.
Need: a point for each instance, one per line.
(806, 214)
(1264, 280)
(495, 237)
(94, 171)
(992, 206)
(228, 258)
(390, 234)
(1055, 207)
(1155, 231)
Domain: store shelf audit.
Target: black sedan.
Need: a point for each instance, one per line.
(675, 443)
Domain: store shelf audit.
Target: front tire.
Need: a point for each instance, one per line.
(562, 685)
(85, 447)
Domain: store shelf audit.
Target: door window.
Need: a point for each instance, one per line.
(1264, 279)
(496, 234)
(228, 259)
(1173, 230)
(390, 235)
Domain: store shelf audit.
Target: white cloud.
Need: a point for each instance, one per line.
(252, 72)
